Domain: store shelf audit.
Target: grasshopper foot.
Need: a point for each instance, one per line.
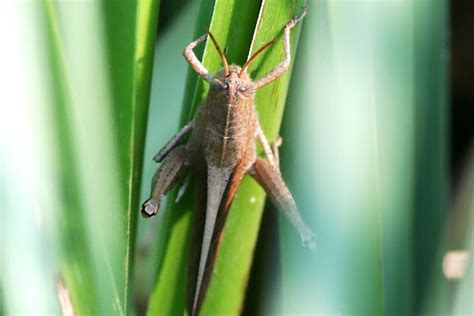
(309, 240)
(296, 19)
(150, 208)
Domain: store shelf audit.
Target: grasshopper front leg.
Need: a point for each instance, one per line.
(285, 64)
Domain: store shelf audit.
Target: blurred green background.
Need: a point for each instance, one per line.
(92, 90)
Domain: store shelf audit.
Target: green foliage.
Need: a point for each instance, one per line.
(364, 153)
(101, 59)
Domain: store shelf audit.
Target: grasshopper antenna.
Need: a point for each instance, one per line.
(221, 54)
(252, 58)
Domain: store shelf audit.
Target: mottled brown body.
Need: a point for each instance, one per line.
(223, 140)
(225, 125)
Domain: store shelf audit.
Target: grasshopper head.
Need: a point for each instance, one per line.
(233, 84)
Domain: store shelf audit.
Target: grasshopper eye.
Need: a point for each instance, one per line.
(247, 91)
(218, 85)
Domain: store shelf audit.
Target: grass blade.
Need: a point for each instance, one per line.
(101, 59)
(354, 133)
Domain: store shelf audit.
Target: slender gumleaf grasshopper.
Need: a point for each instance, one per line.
(222, 148)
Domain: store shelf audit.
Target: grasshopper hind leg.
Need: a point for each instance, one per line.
(164, 179)
(269, 177)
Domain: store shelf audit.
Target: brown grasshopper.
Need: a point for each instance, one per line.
(223, 140)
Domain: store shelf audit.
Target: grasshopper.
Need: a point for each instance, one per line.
(222, 148)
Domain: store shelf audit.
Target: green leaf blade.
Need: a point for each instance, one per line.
(94, 54)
